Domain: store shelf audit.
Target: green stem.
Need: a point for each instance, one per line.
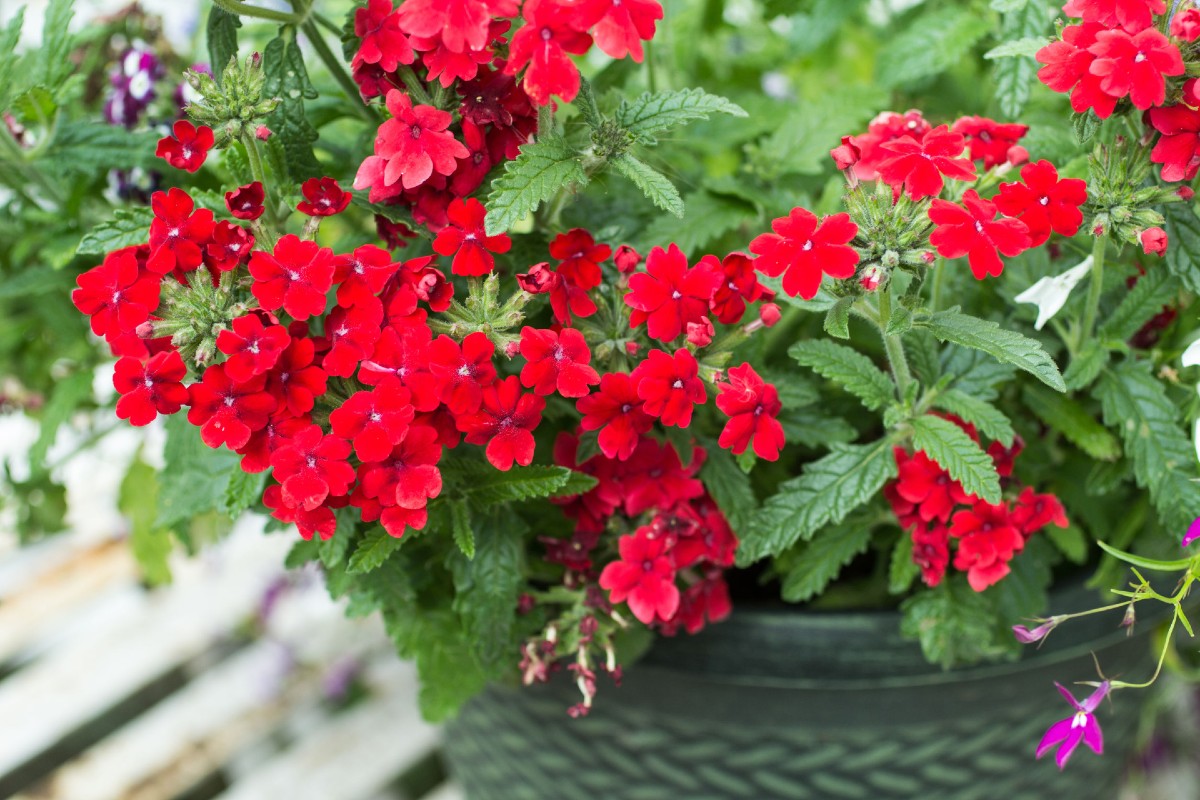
(651, 81)
(1095, 289)
(1161, 658)
(260, 175)
(338, 70)
(939, 279)
(892, 344)
(246, 10)
(327, 24)
(414, 85)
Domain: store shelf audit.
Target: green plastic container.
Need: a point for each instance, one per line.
(788, 704)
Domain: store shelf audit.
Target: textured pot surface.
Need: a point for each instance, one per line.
(787, 704)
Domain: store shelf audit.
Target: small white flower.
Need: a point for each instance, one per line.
(1191, 356)
(1050, 294)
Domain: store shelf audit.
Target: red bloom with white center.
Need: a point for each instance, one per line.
(312, 467)
(296, 381)
(505, 422)
(246, 202)
(466, 240)
(380, 39)
(187, 148)
(404, 351)
(150, 389)
(322, 198)
(620, 26)
(566, 299)
(116, 294)
(229, 247)
(886, 127)
(922, 166)
(177, 236)
(362, 274)
(616, 411)
(550, 32)
(1178, 149)
(460, 24)
(406, 480)
(1133, 15)
(351, 333)
(319, 521)
(670, 386)
(924, 483)
(1035, 511)
(644, 577)
(252, 347)
(752, 406)
(446, 66)
(669, 294)
(580, 257)
(409, 148)
(227, 411)
(989, 140)
(295, 277)
(804, 249)
(972, 230)
(462, 371)
(279, 430)
(739, 285)
(375, 421)
(556, 361)
(1044, 202)
(988, 540)
(1135, 65)
(1067, 69)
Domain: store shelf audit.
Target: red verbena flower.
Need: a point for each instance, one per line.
(362, 274)
(322, 198)
(644, 577)
(550, 32)
(1186, 24)
(229, 247)
(972, 230)
(923, 482)
(580, 257)
(252, 347)
(409, 148)
(988, 540)
(566, 299)
(739, 285)
(177, 235)
(752, 406)
(279, 430)
(478, 162)
(351, 333)
(295, 277)
(375, 421)
(989, 140)
(405, 481)
(1044, 202)
(616, 411)
(931, 552)
(246, 202)
(670, 386)
(296, 381)
(1067, 64)
(462, 371)
(150, 389)
(466, 240)
(1004, 457)
(1133, 15)
(117, 295)
(1135, 65)
(319, 521)
(654, 477)
(1178, 149)
(380, 39)
(311, 467)
(620, 26)
(669, 294)
(187, 148)
(505, 422)
(460, 24)
(886, 127)
(804, 249)
(1035, 511)
(921, 166)
(556, 361)
(1153, 241)
(228, 411)
(404, 351)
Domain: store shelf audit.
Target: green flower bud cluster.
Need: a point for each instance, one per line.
(235, 104)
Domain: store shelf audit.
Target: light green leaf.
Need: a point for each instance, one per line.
(958, 454)
(533, 177)
(1006, 346)
(69, 394)
(652, 114)
(807, 569)
(953, 623)
(902, 570)
(373, 549)
(932, 43)
(287, 78)
(484, 484)
(151, 545)
(194, 476)
(54, 53)
(827, 490)
(708, 216)
(837, 319)
(10, 37)
(1086, 366)
(1074, 422)
(243, 490)
(990, 420)
(1025, 29)
(730, 488)
(460, 527)
(127, 228)
(653, 183)
(803, 138)
(1182, 258)
(1027, 46)
(848, 368)
(486, 589)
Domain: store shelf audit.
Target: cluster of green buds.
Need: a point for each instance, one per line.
(891, 235)
(482, 311)
(233, 105)
(193, 314)
(1119, 194)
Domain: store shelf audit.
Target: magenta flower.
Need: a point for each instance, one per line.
(1026, 635)
(1081, 726)
(1193, 533)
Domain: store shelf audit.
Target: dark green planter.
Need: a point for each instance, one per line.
(788, 704)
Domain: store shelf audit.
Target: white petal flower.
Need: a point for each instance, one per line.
(1050, 294)
(1191, 356)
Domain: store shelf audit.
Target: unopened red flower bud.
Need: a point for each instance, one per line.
(626, 259)
(1153, 241)
(1185, 192)
(1191, 93)
(539, 280)
(770, 314)
(1026, 636)
(262, 133)
(871, 277)
(846, 154)
(1017, 155)
(256, 59)
(1186, 25)
(512, 349)
(928, 257)
(700, 333)
(525, 604)
(145, 330)
(631, 348)
(1098, 230)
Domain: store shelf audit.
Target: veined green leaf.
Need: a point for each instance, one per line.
(127, 227)
(708, 216)
(657, 188)
(807, 569)
(1001, 344)
(1152, 291)
(486, 587)
(930, 44)
(990, 420)
(848, 368)
(221, 32)
(542, 169)
(953, 623)
(955, 451)
(373, 549)
(652, 114)
(1073, 421)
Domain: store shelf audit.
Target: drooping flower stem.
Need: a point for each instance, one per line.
(338, 71)
(1095, 289)
(892, 344)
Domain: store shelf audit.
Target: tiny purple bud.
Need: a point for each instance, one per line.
(1129, 619)
(1193, 533)
(1026, 636)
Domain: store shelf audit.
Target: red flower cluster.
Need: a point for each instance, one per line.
(934, 508)
(1114, 53)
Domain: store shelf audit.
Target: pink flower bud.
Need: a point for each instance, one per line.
(701, 333)
(1191, 93)
(846, 154)
(870, 278)
(525, 604)
(1026, 636)
(1098, 230)
(1017, 155)
(631, 348)
(256, 59)
(262, 133)
(770, 314)
(512, 349)
(1154, 241)
(145, 330)
(626, 259)
(1185, 192)
(928, 257)
(1129, 619)
(1186, 25)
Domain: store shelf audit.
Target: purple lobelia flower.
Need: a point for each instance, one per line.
(1026, 635)
(1193, 533)
(1079, 727)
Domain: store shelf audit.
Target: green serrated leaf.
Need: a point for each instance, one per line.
(287, 78)
(1085, 126)
(243, 490)
(1006, 346)
(1074, 422)
(848, 368)
(902, 570)
(953, 623)
(84, 148)
(814, 428)
(486, 588)
(54, 53)
(806, 570)
(837, 319)
(1086, 366)
(373, 549)
(708, 217)
(10, 37)
(460, 527)
(221, 32)
(801, 142)
(1027, 46)
(1025, 28)
(990, 420)
(957, 453)
(923, 356)
(484, 485)
(657, 188)
(1182, 258)
(585, 101)
(729, 487)
(151, 545)
(932, 43)
(194, 476)
(127, 228)
(1147, 298)
(652, 114)
(1136, 404)
(828, 490)
(542, 169)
